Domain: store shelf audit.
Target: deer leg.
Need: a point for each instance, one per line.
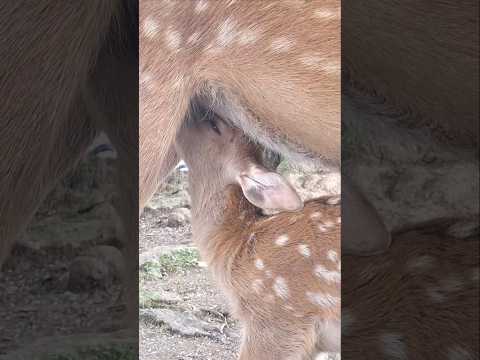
(275, 341)
(30, 178)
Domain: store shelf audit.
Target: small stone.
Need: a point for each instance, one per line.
(180, 322)
(112, 257)
(87, 273)
(178, 217)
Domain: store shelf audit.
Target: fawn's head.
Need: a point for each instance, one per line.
(219, 155)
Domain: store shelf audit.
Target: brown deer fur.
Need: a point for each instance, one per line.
(276, 79)
(68, 71)
(417, 301)
(280, 273)
(421, 57)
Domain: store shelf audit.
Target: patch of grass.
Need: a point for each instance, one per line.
(120, 352)
(178, 260)
(149, 299)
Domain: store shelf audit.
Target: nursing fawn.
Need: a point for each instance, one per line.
(281, 273)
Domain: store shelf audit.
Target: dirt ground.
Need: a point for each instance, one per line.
(60, 293)
(183, 316)
(61, 285)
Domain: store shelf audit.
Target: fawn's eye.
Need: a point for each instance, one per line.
(213, 125)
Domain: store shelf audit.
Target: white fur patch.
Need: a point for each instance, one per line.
(322, 64)
(334, 200)
(280, 287)
(328, 275)
(226, 33)
(282, 45)
(201, 5)
(332, 256)
(304, 250)
(322, 228)
(321, 299)
(281, 240)
(329, 224)
(393, 346)
(145, 79)
(173, 39)
(268, 274)
(330, 334)
(150, 28)
(259, 264)
(247, 37)
(315, 215)
(312, 61)
(326, 13)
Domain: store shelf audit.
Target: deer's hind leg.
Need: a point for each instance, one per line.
(277, 341)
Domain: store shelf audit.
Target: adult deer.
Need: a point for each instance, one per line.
(281, 273)
(271, 68)
(68, 70)
(417, 301)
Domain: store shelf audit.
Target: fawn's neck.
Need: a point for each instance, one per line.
(216, 210)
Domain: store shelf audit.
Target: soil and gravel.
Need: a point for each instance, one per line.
(62, 283)
(183, 316)
(60, 291)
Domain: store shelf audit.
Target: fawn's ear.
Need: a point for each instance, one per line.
(268, 190)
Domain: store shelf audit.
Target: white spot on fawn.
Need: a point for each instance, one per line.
(321, 299)
(393, 346)
(304, 250)
(326, 13)
(282, 240)
(247, 37)
(315, 215)
(280, 287)
(145, 78)
(226, 33)
(201, 6)
(327, 275)
(259, 264)
(311, 61)
(282, 45)
(332, 256)
(150, 28)
(268, 274)
(173, 39)
(334, 200)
